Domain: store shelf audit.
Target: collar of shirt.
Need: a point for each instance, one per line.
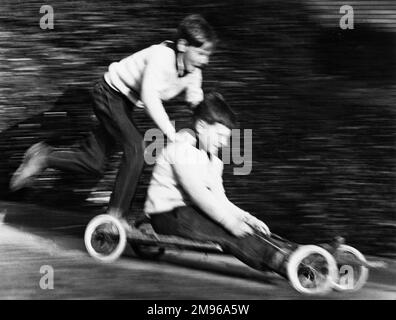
(181, 71)
(180, 65)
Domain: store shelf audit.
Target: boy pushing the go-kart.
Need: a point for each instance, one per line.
(142, 80)
(186, 196)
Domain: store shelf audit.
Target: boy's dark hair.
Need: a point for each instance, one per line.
(196, 30)
(214, 109)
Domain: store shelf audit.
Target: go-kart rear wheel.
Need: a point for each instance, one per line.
(148, 252)
(105, 238)
(352, 276)
(312, 270)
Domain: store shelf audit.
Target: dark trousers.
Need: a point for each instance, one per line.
(114, 112)
(257, 251)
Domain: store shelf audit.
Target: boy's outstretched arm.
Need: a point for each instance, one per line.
(156, 111)
(153, 78)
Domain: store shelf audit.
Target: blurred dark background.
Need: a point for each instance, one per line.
(320, 101)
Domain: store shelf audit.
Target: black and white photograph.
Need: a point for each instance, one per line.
(198, 155)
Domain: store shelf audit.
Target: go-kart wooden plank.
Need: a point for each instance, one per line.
(173, 241)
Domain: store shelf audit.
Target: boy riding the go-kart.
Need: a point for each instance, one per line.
(186, 195)
(186, 199)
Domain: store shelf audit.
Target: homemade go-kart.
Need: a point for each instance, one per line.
(311, 269)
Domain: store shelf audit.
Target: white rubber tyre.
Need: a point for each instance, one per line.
(360, 281)
(89, 232)
(296, 260)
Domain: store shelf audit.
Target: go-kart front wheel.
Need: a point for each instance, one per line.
(353, 275)
(312, 270)
(105, 238)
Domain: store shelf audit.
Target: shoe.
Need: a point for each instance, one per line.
(33, 163)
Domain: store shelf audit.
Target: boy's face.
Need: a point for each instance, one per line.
(197, 57)
(212, 137)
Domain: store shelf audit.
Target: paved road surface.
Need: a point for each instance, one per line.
(31, 237)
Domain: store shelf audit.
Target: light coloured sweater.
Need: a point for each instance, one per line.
(166, 191)
(158, 64)
(151, 76)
